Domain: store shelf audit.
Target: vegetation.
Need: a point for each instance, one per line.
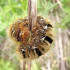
(58, 11)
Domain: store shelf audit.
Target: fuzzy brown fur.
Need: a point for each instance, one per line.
(31, 44)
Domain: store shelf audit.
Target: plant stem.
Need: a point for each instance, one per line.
(32, 13)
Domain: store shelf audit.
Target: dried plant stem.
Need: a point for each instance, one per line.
(29, 64)
(24, 63)
(32, 13)
(32, 16)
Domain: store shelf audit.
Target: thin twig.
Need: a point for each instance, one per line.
(29, 64)
(22, 64)
(60, 5)
(32, 13)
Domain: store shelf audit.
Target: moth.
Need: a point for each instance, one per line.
(31, 44)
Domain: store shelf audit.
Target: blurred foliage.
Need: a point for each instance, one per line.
(36, 66)
(6, 65)
(65, 23)
(55, 68)
(11, 10)
(68, 59)
(14, 9)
